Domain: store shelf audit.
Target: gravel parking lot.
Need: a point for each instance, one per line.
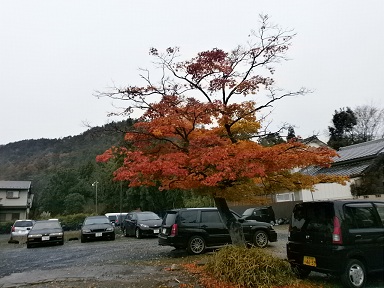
(113, 263)
(125, 262)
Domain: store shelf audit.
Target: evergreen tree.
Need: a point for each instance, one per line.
(341, 134)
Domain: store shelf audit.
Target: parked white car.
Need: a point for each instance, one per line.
(21, 228)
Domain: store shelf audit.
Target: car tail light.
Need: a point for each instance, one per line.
(13, 228)
(336, 235)
(174, 230)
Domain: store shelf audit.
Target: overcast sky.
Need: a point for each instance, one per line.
(55, 54)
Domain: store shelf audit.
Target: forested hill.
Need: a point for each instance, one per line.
(36, 159)
(63, 171)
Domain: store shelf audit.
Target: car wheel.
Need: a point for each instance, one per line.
(260, 239)
(196, 245)
(138, 233)
(300, 271)
(354, 275)
(83, 239)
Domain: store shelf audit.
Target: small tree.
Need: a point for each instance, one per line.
(199, 136)
(341, 134)
(291, 133)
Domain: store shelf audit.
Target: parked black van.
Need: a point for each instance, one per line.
(262, 214)
(343, 238)
(197, 229)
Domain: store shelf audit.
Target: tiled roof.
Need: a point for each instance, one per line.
(362, 150)
(353, 160)
(347, 169)
(15, 184)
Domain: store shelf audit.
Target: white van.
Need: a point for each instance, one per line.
(116, 218)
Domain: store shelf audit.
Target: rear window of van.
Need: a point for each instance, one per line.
(314, 217)
(169, 218)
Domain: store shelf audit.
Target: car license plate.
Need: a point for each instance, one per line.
(99, 234)
(310, 261)
(156, 231)
(45, 238)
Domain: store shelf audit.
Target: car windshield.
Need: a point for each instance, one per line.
(147, 216)
(46, 225)
(101, 220)
(23, 224)
(248, 212)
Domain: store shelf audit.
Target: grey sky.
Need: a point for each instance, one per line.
(55, 54)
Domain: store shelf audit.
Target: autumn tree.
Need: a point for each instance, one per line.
(200, 124)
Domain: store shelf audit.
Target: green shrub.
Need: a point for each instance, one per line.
(249, 267)
(73, 221)
(45, 215)
(5, 227)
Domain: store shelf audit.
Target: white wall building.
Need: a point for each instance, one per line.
(354, 161)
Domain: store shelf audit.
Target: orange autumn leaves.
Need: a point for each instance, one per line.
(183, 143)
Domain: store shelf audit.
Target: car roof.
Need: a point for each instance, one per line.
(344, 201)
(98, 216)
(115, 214)
(24, 220)
(50, 220)
(192, 209)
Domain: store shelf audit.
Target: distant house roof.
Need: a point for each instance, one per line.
(313, 140)
(352, 161)
(15, 184)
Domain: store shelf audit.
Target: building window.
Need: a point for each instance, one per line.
(378, 195)
(283, 197)
(365, 196)
(13, 194)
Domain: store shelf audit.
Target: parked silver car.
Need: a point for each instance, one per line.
(21, 229)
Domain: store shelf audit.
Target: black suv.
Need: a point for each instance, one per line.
(262, 214)
(343, 238)
(199, 228)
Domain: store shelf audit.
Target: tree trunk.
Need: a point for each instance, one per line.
(234, 227)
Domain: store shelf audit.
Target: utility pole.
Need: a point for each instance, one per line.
(95, 185)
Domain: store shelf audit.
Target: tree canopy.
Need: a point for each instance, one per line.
(200, 135)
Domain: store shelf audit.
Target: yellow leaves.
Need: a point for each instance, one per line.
(157, 132)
